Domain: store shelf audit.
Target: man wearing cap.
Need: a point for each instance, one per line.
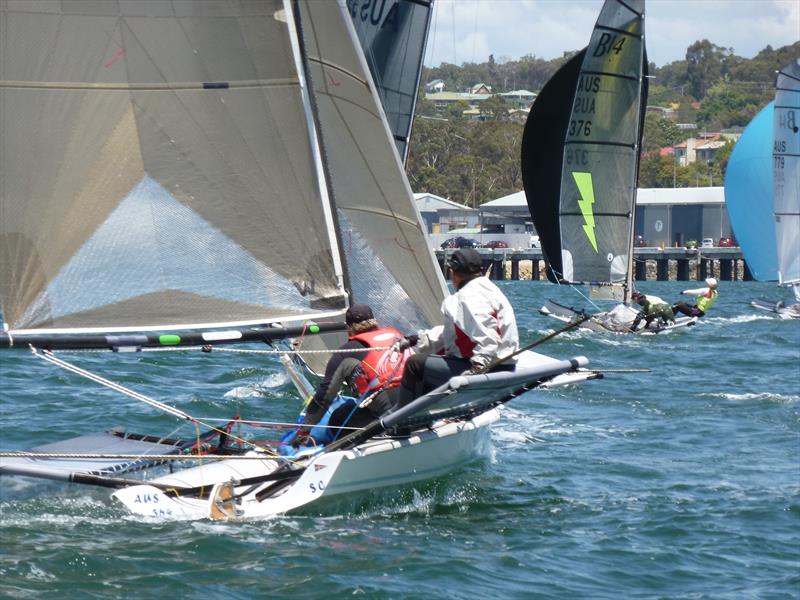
(704, 300)
(364, 370)
(479, 328)
(653, 308)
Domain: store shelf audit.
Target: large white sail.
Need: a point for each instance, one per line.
(786, 172)
(388, 260)
(156, 168)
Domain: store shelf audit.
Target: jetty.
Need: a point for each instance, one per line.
(655, 264)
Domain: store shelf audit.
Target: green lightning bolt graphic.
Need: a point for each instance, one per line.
(584, 183)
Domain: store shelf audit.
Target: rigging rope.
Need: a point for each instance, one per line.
(49, 357)
(234, 350)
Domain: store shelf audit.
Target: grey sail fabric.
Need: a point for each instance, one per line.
(786, 172)
(393, 34)
(155, 168)
(386, 252)
(598, 178)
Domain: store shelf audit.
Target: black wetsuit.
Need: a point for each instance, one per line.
(343, 367)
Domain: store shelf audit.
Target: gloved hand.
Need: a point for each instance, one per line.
(475, 369)
(407, 342)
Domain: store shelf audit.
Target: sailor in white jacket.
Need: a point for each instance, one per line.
(479, 328)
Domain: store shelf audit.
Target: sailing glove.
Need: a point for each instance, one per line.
(407, 342)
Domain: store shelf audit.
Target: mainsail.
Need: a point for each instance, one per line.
(156, 169)
(749, 193)
(786, 165)
(580, 152)
(197, 164)
(393, 34)
(385, 249)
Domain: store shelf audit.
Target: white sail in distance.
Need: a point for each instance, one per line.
(786, 173)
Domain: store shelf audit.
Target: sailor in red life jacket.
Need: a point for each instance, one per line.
(479, 327)
(365, 371)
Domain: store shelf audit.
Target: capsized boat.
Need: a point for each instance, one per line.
(580, 161)
(202, 174)
(762, 192)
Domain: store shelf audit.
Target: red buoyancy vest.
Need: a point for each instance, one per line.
(380, 368)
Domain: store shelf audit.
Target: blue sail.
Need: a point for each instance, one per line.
(748, 196)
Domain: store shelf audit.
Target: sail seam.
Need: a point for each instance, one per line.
(617, 75)
(601, 143)
(200, 85)
(636, 12)
(620, 31)
(335, 67)
(603, 214)
(373, 211)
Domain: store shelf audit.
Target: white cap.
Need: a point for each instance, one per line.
(711, 282)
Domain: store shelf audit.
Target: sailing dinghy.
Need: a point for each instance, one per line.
(762, 192)
(189, 175)
(786, 178)
(580, 161)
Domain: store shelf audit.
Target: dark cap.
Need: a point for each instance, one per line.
(466, 260)
(358, 313)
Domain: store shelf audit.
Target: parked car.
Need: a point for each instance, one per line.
(691, 244)
(460, 242)
(535, 243)
(494, 244)
(639, 241)
(707, 243)
(726, 242)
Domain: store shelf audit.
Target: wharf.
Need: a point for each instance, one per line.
(668, 264)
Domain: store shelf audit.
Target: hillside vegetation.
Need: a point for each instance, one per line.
(475, 161)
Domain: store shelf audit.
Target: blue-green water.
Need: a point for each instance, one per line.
(679, 483)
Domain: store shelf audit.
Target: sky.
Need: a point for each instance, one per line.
(470, 30)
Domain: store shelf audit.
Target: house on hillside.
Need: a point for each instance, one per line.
(435, 86)
(703, 147)
(519, 98)
(480, 88)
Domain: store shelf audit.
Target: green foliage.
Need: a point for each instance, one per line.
(660, 132)
(467, 161)
(473, 162)
(704, 66)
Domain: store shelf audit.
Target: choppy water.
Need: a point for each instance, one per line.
(679, 483)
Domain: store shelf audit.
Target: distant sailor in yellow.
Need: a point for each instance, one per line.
(704, 300)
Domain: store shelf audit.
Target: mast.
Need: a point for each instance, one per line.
(317, 145)
(643, 89)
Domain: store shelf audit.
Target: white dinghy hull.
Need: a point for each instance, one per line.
(614, 321)
(373, 465)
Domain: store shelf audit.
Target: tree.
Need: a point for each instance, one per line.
(494, 108)
(660, 133)
(704, 66)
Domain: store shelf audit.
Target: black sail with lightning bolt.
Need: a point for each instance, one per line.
(580, 152)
